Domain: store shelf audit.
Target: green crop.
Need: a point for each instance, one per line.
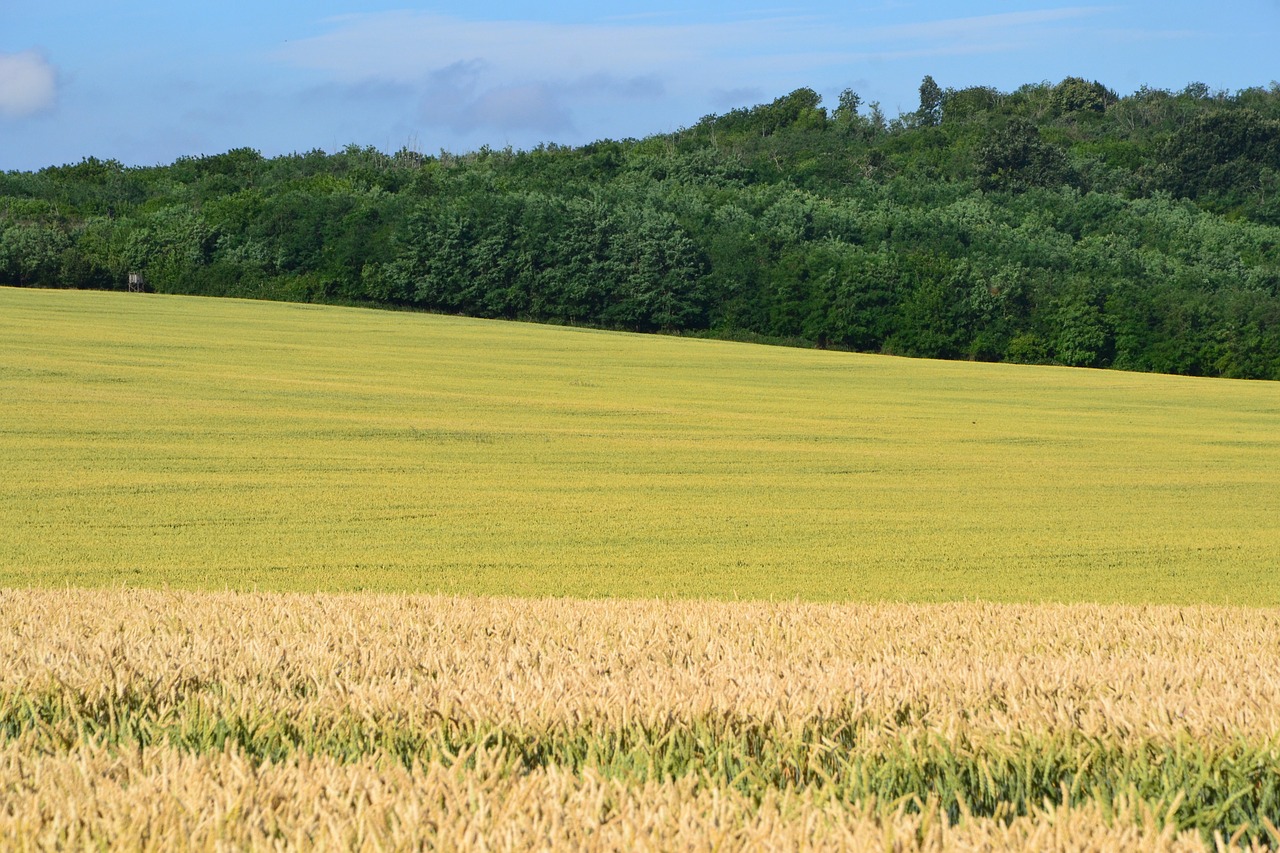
(150, 440)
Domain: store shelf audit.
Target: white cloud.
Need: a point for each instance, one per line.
(28, 84)
(458, 98)
(736, 97)
(513, 75)
(981, 26)
(408, 46)
(505, 75)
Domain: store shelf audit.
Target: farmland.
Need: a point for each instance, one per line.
(189, 719)
(283, 576)
(211, 444)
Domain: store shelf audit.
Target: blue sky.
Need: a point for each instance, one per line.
(147, 82)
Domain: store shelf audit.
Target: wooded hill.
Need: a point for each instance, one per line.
(1057, 223)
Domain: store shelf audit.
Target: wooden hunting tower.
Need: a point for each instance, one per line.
(137, 284)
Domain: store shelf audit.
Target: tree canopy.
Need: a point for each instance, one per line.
(1056, 223)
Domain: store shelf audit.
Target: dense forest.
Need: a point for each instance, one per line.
(1058, 223)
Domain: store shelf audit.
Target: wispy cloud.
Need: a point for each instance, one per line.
(731, 98)
(1131, 35)
(985, 26)
(506, 75)
(28, 84)
(537, 76)
(409, 46)
(459, 98)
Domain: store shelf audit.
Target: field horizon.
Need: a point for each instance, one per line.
(223, 444)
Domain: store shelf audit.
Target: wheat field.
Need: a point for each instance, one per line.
(289, 577)
(187, 719)
(198, 443)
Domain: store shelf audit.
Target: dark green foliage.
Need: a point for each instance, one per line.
(1017, 158)
(800, 109)
(930, 111)
(969, 103)
(1056, 223)
(1078, 95)
(1224, 157)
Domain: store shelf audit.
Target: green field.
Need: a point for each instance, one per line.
(199, 443)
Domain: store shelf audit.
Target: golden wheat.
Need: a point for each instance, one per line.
(221, 444)
(162, 799)
(388, 720)
(1105, 670)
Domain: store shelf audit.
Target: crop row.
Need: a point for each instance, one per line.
(160, 798)
(970, 715)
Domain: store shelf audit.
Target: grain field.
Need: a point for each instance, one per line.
(368, 721)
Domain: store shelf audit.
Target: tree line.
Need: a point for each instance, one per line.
(1057, 223)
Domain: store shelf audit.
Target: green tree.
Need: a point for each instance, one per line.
(1075, 94)
(1084, 337)
(846, 114)
(1222, 153)
(30, 253)
(1018, 158)
(931, 97)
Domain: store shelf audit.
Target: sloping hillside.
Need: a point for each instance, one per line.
(149, 439)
